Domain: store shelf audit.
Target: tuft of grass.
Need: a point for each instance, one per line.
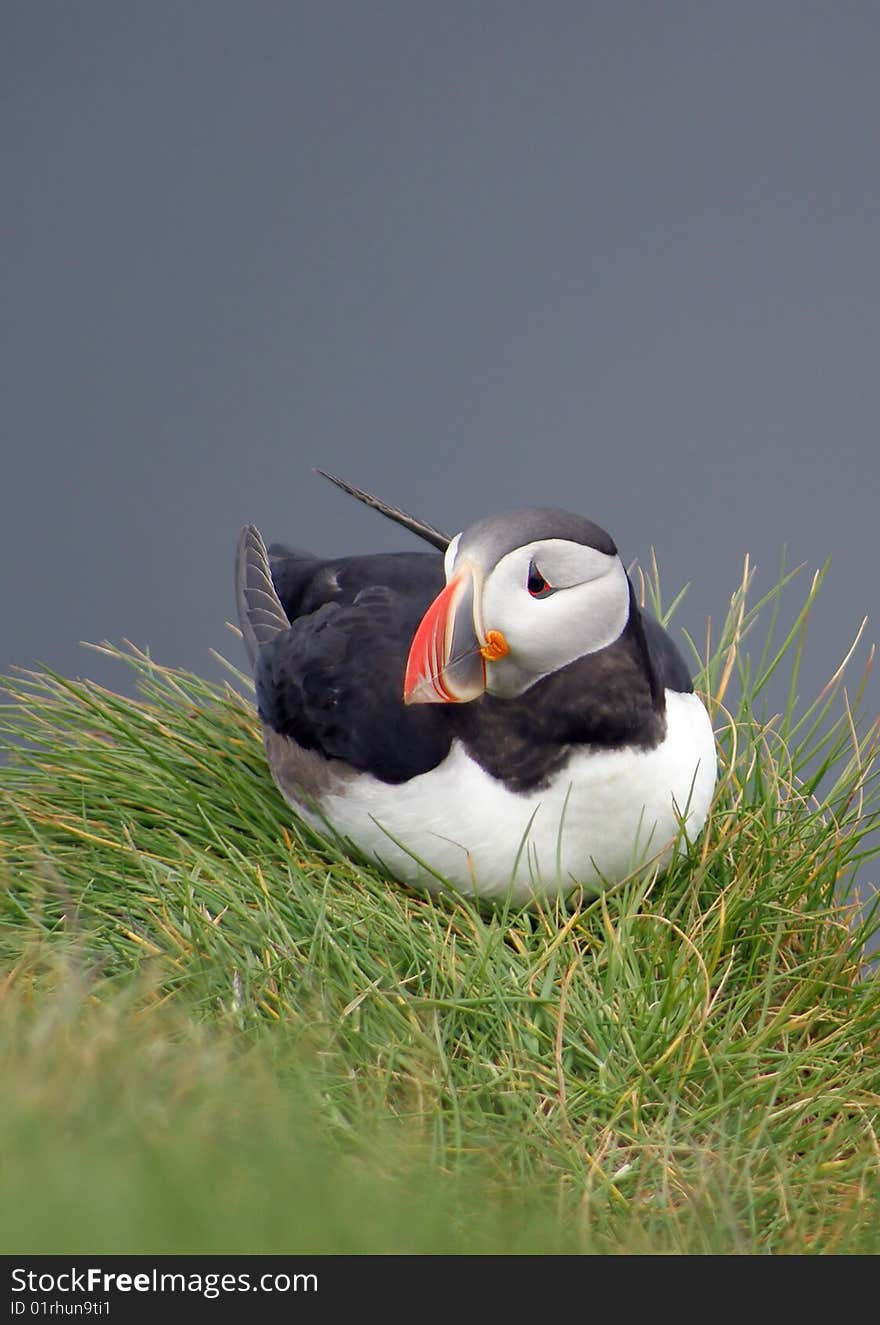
(228, 1035)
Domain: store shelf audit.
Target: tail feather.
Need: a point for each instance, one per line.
(260, 613)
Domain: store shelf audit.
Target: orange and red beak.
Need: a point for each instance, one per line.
(447, 658)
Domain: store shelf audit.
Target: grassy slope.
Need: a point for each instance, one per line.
(220, 1034)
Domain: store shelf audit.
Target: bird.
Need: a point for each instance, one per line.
(496, 717)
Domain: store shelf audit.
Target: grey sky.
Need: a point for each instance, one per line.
(617, 257)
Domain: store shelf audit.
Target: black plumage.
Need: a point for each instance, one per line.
(333, 679)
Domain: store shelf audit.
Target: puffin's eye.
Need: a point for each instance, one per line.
(537, 585)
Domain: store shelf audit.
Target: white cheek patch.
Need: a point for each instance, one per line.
(586, 617)
(565, 564)
(587, 613)
(449, 557)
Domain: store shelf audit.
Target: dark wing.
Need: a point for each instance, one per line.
(260, 614)
(667, 661)
(304, 582)
(332, 679)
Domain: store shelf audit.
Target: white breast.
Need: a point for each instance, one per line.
(608, 813)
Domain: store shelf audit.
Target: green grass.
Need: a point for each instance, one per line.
(222, 1034)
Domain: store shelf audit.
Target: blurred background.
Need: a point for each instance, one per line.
(618, 257)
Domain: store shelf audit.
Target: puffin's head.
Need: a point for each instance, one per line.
(526, 593)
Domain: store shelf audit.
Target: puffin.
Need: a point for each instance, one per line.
(495, 717)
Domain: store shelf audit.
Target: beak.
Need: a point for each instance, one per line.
(446, 664)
